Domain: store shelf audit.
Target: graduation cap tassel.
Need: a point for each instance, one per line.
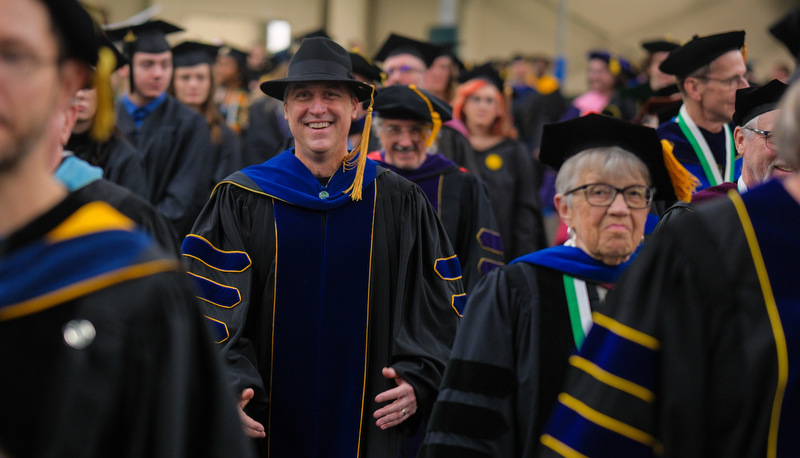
(104, 118)
(683, 182)
(360, 151)
(435, 117)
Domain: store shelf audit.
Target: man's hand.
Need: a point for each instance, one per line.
(251, 427)
(404, 405)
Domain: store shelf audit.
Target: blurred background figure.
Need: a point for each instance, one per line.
(120, 161)
(193, 85)
(606, 76)
(441, 78)
(503, 163)
(269, 133)
(366, 71)
(172, 138)
(658, 96)
(232, 95)
(257, 66)
(405, 61)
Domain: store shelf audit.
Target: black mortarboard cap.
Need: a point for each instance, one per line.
(562, 140)
(281, 57)
(77, 29)
(191, 53)
(617, 64)
(277, 59)
(403, 102)
(148, 37)
(319, 33)
(660, 45)
(449, 50)
(237, 54)
(364, 66)
(318, 59)
(700, 51)
(83, 41)
(787, 31)
(486, 72)
(757, 100)
(398, 44)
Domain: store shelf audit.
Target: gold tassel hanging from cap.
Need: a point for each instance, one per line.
(683, 181)
(436, 119)
(104, 119)
(360, 152)
(744, 53)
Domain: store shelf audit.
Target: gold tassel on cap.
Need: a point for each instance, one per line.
(683, 182)
(360, 151)
(435, 117)
(104, 119)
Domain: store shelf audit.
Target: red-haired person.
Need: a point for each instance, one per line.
(503, 162)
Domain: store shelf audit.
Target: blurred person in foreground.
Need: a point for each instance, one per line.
(697, 352)
(104, 350)
(524, 320)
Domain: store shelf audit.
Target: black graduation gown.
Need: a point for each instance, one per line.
(537, 110)
(227, 155)
(453, 145)
(510, 358)
(462, 203)
(507, 170)
(120, 161)
(699, 353)
(411, 323)
(148, 384)
(178, 159)
(268, 134)
(135, 208)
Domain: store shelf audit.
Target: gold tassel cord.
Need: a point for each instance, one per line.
(683, 181)
(359, 153)
(104, 120)
(436, 119)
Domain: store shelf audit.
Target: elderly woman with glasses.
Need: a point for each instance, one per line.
(523, 321)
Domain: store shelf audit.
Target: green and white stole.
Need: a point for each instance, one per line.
(703, 151)
(580, 311)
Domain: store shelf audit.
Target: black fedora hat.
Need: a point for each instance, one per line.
(318, 59)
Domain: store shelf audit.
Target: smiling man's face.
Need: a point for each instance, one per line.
(319, 115)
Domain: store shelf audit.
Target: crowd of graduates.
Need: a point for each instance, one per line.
(208, 251)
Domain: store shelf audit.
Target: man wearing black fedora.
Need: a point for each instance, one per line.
(329, 281)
